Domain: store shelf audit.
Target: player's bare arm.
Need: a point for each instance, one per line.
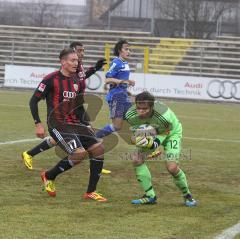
(117, 81)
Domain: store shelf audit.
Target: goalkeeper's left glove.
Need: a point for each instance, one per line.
(147, 142)
(154, 154)
(99, 64)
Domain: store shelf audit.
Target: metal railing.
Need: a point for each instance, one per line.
(41, 46)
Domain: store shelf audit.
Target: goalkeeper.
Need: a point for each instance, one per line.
(169, 133)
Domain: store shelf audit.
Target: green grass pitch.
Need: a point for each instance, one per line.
(211, 131)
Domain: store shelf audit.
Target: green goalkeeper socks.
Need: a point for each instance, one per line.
(145, 179)
(180, 181)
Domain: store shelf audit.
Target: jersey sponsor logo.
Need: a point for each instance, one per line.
(69, 95)
(41, 87)
(224, 89)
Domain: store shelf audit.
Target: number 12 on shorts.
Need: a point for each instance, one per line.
(173, 144)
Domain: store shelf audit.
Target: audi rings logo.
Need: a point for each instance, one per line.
(224, 89)
(94, 82)
(69, 94)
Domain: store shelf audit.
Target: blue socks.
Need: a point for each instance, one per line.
(106, 130)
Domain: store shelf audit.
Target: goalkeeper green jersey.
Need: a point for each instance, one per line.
(163, 119)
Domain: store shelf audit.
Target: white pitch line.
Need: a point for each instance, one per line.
(230, 232)
(18, 141)
(216, 140)
(208, 119)
(190, 138)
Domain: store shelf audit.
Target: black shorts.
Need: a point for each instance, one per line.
(71, 137)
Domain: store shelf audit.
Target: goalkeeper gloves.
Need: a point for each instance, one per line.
(144, 142)
(99, 64)
(147, 142)
(154, 154)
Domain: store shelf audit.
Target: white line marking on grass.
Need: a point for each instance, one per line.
(208, 119)
(190, 138)
(230, 232)
(18, 141)
(216, 140)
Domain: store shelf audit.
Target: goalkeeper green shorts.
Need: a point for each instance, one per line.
(171, 145)
(172, 148)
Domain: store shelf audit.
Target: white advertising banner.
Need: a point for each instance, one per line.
(180, 87)
(187, 87)
(25, 76)
(30, 77)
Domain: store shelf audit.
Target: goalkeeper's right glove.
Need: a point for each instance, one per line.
(144, 142)
(147, 142)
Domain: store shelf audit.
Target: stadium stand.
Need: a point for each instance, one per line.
(212, 58)
(39, 46)
(168, 54)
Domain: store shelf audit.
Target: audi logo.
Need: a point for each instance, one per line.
(69, 94)
(94, 83)
(224, 89)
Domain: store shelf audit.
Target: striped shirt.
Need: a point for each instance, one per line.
(63, 96)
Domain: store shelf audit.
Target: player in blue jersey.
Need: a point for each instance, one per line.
(118, 80)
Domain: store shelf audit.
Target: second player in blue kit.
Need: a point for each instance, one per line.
(118, 80)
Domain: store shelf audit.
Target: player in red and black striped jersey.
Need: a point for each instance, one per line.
(63, 93)
(83, 75)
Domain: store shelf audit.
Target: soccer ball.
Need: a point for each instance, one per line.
(143, 130)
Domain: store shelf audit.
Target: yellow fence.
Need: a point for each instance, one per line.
(168, 54)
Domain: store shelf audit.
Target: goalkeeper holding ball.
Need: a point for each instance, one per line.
(168, 134)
